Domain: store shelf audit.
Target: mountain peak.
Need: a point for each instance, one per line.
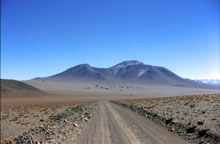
(126, 63)
(132, 62)
(85, 65)
(81, 66)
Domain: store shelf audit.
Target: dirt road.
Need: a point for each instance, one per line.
(113, 124)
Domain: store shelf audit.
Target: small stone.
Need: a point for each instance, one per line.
(200, 122)
(74, 124)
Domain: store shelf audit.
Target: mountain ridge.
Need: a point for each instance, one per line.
(131, 71)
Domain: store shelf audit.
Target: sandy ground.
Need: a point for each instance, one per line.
(43, 100)
(116, 90)
(58, 92)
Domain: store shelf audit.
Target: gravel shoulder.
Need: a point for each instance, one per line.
(196, 118)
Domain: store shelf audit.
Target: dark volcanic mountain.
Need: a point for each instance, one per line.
(127, 71)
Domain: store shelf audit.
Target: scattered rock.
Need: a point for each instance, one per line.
(188, 116)
(75, 125)
(191, 130)
(200, 122)
(57, 128)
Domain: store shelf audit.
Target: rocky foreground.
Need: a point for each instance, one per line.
(196, 118)
(63, 126)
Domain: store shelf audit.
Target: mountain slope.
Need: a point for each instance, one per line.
(126, 72)
(17, 88)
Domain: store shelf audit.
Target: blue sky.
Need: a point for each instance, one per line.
(43, 37)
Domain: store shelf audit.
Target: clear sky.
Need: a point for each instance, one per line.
(43, 37)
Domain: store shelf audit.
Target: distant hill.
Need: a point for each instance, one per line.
(134, 72)
(18, 89)
(209, 81)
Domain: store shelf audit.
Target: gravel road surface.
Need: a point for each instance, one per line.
(113, 124)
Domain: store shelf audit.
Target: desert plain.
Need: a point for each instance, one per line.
(80, 112)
